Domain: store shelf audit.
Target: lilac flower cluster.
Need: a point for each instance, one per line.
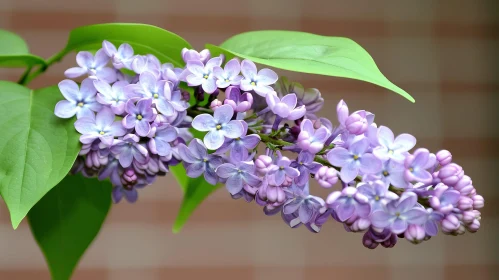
(134, 127)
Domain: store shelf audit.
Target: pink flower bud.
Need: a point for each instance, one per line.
(357, 123)
(444, 157)
(360, 224)
(469, 216)
(342, 111)
(263, 164)
(303, 140)
(215, 104)
(415, 234)
(465, 203)
(450, 223)
(474, 226)
(451, 174)
(326, 176)
(463, 184)
(478, 201)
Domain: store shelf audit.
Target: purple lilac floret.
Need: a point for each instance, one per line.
(134, 127)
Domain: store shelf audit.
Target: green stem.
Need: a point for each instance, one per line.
(51, 60)
(25, 75)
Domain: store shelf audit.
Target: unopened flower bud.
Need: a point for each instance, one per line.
(357, 123)
(360, 224)
(444, 157)
(263, 164)
(215, 104)
(469, 217)
(368, 242)
(415, 234)
(450, 223)
(451, 174)
(390, 242)
(473, 226)
(465, 203)
(478, 201)
(326, 176)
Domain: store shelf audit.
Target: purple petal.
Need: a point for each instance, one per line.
(126, 158)
(431, 228)
(267, 77)
(232, 68)
(369, 164)
(100, 59)
(198, 149)
(344, 211)
(251, 179)
(306, 125)
(305, 213)
(399, 226)
(204, 122)
(416, 216)
(70, 90)
(405, 142)
(109, 48)
(339, 157)
(251, 141)
(223, 114)
(75, 72)
(213, 140)
(380, 219)
(186, 154)
(142, 128)
(297, 113)
(226, 170)
(385, 136)
(233, 129)
(349, 172)
(290, 101)
(248, 69)
(129, 121)
(85, 59)
(209, 85)
(195, 170)
(104, 118)
(292, 206)
(165, 107)
(65, 109)
(359, 147)
(234, 184)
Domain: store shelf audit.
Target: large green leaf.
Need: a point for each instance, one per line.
(14, 52)
(307, 53)
(37, 149)
(195, 191)
(67, 219)
(145, 39)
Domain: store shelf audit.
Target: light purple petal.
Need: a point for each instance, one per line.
(203, 122)
(85, 125)
(223, 114)
(100, 59)
(416, 216)
(234, 184)
(129, 121)
(339, 157)
(252, 179)
(75, 72)
(344, 211)
(142, 128)
(233, 129)
(104, 118)
(305, 213)
(349, 172)
(405, 142)
(297, 113)
(70, 90)
(226, 170)
(196, 67)
(251, 141)
(369, 164)
(385, 136)
(213, 140)
(399, 226)
(290, 100)
(126, 158)
(248, 69)
(84, 59)
(195, 170)
(380, 219)
(165, 107)
(209, 85)
(267, 76)
(65, 109)
(359, 147)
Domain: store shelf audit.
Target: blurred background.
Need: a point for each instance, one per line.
(443, 52)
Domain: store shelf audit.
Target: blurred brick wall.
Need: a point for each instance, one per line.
(442, 52)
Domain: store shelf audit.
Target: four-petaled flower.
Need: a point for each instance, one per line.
(377, 192)
(113, 96)
(259, 82)
(198, 161)
(121, 57)
(306, 207)
(312, 140)
(281, 169)
(416, 166)
(139, 116)
(238, 147)
(349, 203)
(161, 137)
(353, 160)
(399, 214)
(101, 126)
(238, 174)
(285, 107)
(239, 102)
(203, 74)
(156, 90)
(218, 126)
(94, 66)
(305, 164)
(229, 75)
(129, 150)
(79, 101)
(390, 148)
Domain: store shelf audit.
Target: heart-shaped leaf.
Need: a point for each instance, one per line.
(14, 52)
(307, 53)
(37, 149)
(195, 191)
(145, 39)
(67, 219)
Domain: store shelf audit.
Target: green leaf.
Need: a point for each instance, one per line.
(37, 149)
(67, 219)
(14, 52)
(145, 39)
(307, 53)
(195, 191)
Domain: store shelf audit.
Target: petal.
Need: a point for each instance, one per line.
(248, 69)
(417, 216)
(198, 149)
(405, 142)
(109, 48)
(196, 67)
(223, 114)
(306, 125)
(125, 50)
(142, 128)
(431, 228)
(204, 122)
(385, 136)
(297, 113)
(305, 213)
(210, 85)
(272, 99)
(165, 108)
(349, 172)
(126, 158)
(399, 226)
(233, 129)
(369, 164)
(100, 59)
(421, 157)
(263, 90)
(195, 170)
(251, 141)
(321, 134)
(129, 121)
(210, 176)
(226, 170)
(234, 184)
(252, 180)
(107, 74)
(380, 219)
(213, 140)
(117, 129)
(381, 152)
(70, 90)
(85, 125)
(186, 155)
(339, 157)
(65, 109)
(215, 61)
(75, 72)
(104, 118)
(290, 100)
(85, 59)
(87, 89)
(344, 211)
(292, 205)
(131, 195)
(194, 80)
(406, 202)
(267, 77)
(359, 147)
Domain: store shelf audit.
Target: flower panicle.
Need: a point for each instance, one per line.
(135, 121)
